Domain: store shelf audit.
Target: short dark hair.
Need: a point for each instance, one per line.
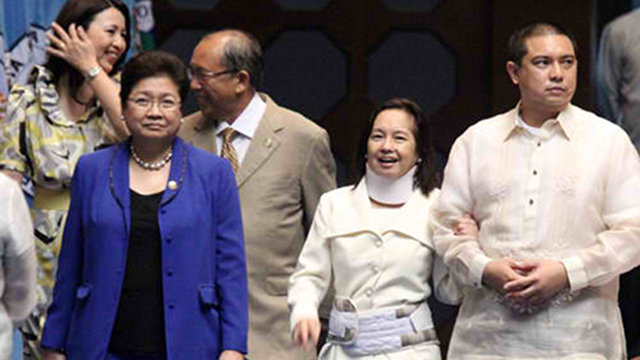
(150, 64)
(517, 47)
(242, 51)
(82, 13)
(426, 177)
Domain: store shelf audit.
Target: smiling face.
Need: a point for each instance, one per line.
(547, 76)
(217, 95)
(107, 32)
(391, 148)
(152, 110)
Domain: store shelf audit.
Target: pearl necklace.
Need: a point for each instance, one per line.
(151, 165)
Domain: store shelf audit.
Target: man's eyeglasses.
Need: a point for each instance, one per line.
(144, 103)
(201, 75)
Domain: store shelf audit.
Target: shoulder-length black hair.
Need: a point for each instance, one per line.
(426, 177)
(82, 13)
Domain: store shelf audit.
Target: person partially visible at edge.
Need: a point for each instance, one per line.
(3, 106)
(373, 239)
(554, 189)
(68, 108)
(152, 264)
(617, 98)
(17, 261)
(282, 162)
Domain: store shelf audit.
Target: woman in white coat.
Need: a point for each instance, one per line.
(374, 239)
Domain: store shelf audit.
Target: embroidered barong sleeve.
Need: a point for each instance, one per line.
(462, 254)
(19, 260)
(445, 286)
(617, 248)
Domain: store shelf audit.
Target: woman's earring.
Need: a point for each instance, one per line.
(181, 120)
(121, 117)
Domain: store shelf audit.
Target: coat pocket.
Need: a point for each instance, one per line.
(208, 295)
(210, 309)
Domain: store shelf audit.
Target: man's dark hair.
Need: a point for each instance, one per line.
(517, 47)
(426, 177)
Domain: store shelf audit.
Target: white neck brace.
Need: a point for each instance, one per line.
(389, 191)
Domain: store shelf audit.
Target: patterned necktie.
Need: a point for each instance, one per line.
(228, 151)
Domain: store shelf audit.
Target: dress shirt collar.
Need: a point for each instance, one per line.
(565, 121)
(247, 123)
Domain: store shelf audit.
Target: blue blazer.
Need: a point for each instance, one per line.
(203, 258)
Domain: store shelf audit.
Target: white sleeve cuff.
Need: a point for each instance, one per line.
(576, 273)
(476, 269)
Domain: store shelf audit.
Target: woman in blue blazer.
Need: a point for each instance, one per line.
(152, 264)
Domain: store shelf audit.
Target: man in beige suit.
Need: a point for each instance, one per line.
(283, 163)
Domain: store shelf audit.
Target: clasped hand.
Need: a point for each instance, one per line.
(527, 282)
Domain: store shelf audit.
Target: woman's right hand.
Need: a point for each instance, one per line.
(73, 46)
(306, 333)
(48, 354)
(467, 226)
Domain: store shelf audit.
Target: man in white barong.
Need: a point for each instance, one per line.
(556, 193)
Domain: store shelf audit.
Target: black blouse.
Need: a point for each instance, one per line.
(139, 326)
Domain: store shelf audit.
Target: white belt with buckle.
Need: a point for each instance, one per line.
(379, 331)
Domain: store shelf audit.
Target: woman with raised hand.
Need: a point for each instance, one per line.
(68, 108)
(152, 264)
(374, 240)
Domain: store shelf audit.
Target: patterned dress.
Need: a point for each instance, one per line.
(37, 140)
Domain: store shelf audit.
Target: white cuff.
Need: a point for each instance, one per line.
(576, 273)
(476, 269)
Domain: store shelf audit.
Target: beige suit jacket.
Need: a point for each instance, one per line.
(287, 167)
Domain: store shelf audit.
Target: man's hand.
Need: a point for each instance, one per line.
(306, 333)
(497, 273)
(544, 278)
(230, 355)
